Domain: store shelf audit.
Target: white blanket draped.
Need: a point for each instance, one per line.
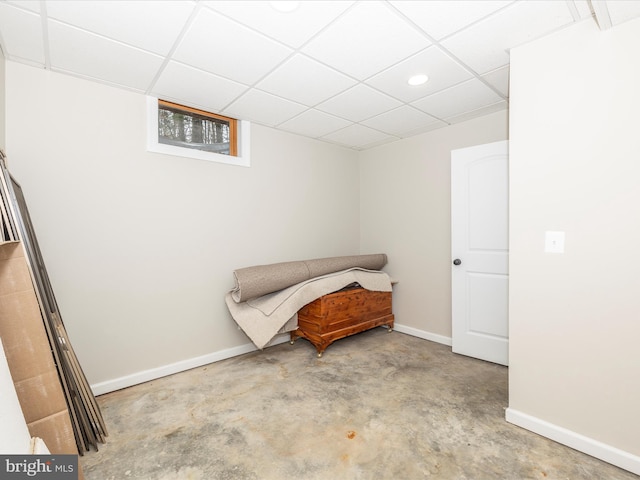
(262, 318)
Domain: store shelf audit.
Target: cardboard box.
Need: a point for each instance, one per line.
(29, 355)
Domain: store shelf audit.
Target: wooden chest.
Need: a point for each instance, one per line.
(342, 313)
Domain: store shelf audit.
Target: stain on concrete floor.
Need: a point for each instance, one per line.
(375, 406)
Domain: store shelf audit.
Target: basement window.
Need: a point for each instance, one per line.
(185, 131)
(192, 128)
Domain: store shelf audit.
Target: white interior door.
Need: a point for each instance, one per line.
(480, 251)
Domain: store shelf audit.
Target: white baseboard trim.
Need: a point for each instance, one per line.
(602, 451)
(433, 337)
(181, 366)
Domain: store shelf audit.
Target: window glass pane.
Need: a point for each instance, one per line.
(190, 130)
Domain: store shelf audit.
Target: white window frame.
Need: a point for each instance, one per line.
(243, 158)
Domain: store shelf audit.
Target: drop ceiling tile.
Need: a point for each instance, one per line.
(314, 123)
(306, 81)
(442, 70)
(79, 52)
(292, 28)
(359, 103)
(479, 112)
(499, 79)
(21, 34)
(355, 136)
(33, 5)
(196, 88)
(470, 95)
(485, 45)
(583, 8)
(263, 108)
(440, 18)
(365, 40)
(150, 25)
(219, 45)
(428, 128)
(401, 121)
(622, 10)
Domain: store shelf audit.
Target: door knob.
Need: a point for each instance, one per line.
(457, 261)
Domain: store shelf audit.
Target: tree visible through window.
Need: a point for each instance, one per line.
(192, 128)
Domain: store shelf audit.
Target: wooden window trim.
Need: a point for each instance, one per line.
(233, 123)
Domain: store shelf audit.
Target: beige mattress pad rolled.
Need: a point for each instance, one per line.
(252, 282)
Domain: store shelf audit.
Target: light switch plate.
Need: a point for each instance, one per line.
(554, 242)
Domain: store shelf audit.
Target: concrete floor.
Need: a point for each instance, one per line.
(375, 406)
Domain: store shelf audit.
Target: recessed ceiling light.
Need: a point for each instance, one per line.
(285, 6)
(418, 80)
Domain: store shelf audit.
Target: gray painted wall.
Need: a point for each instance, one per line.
(405, 210)
(574, 317)
(141, 247)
